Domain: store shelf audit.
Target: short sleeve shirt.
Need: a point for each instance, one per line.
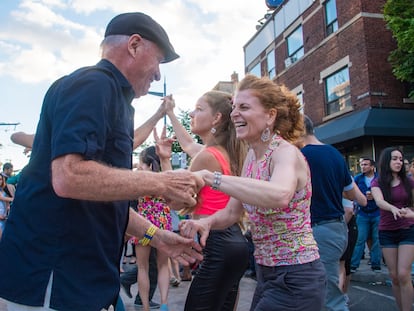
(330, 177)
(399, 198)
(89, 113)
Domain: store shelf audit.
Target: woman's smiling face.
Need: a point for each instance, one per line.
(249, 116)
(396, 161)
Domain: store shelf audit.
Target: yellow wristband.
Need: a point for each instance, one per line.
(148, 235)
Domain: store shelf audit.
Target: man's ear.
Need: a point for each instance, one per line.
(133, 44)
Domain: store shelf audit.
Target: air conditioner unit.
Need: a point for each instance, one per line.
(290, 60)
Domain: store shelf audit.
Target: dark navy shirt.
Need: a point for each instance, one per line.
(330, 177)
(89, 113)
(371, 209)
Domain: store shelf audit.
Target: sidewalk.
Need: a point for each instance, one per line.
(177, 295)
(366, 275)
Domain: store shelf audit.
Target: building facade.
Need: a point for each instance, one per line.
(333, 55)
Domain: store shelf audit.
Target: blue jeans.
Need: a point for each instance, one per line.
(332, 239)
(367, 226)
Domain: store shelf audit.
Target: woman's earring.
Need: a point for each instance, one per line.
(213, 130)
(265, 135)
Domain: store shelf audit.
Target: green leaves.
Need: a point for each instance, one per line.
(399, 15)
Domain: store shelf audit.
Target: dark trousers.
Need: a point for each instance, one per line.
(215, 285)
(290, 288)
(130, 276)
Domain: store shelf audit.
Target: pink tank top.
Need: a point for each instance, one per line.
(282, 236)
(210, 201)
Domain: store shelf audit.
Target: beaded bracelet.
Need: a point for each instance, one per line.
(217, 181)
(148, 235)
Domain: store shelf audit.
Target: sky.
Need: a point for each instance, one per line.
(43, 40)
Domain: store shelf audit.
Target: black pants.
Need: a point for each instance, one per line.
(130, 277)
(215, 285)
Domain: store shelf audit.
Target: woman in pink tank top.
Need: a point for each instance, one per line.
(226, 253)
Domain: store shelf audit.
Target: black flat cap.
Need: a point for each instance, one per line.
(140, 23)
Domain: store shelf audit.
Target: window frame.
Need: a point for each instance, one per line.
(331, 25)
(346, 97)
(298, 52)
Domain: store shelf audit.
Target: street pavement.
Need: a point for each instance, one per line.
(177, 295)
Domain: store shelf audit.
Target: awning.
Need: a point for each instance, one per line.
(368, 122)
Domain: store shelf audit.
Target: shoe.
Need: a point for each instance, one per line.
(174, 282)
(164, 307)
(346, 299)
(127, 289)
(152, 305)
(353, 269)
(376, 268)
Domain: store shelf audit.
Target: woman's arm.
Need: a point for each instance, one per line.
(163, 146)
(384, 205)
(184, 138)
(6, 199)
(23, 139)
(220, 220)
(288, 175)
(142, 132)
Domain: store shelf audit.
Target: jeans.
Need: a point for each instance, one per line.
(367, 226)
(332, 239)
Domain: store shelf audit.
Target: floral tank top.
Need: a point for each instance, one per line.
(281, 236)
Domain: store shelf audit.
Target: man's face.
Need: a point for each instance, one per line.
(146, 68)
(8, 171)
(366, 167)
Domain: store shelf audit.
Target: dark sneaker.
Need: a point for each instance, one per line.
(376, 268)
(127, 289)
(152, 305)
(353, 269)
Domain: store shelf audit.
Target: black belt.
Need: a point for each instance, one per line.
(323, 222)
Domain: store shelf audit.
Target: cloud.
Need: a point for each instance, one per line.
(41, 40)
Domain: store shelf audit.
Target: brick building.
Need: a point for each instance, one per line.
(333, 55)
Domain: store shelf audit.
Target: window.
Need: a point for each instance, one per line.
(256, 70)
(300, 98)
(271, 64)
(338, 91)
(331, 17)
(295, 45)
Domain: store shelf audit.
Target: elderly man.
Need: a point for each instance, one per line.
(62, 245)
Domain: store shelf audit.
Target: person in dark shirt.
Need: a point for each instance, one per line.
(330, 179)
(63, 242)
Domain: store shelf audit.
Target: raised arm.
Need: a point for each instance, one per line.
(184, 138)
(142, 132)
(163, 147)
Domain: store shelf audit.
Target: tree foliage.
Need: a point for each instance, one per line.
(399, 15)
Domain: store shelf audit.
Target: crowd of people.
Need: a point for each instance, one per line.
(260, 173)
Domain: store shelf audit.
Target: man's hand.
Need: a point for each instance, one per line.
(184, 250)
(189, 228)
(180, 188)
